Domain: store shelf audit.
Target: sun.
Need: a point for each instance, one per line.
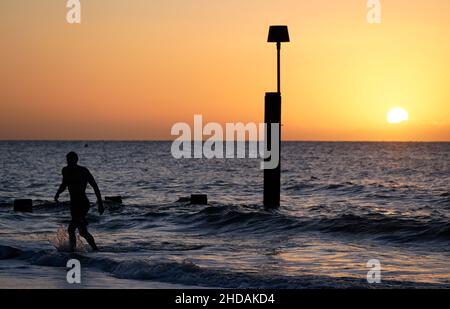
(397, 115)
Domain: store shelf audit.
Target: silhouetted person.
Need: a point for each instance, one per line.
(76, 178)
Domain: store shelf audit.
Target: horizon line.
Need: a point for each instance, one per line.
(167, 140)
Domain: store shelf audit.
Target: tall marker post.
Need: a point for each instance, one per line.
(272, 177)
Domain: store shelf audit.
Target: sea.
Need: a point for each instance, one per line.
(342, 205)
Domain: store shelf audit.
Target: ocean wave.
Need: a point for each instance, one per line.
(188, 273)
(252, 220)
(318, 186)
(237, 219)
(371, 189)
(7, 252)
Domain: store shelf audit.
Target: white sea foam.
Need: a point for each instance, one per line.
(61, 241)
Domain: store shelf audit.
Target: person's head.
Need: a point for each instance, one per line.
(72, 158)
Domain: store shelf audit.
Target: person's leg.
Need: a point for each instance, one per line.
(89, 238)
(72, 237)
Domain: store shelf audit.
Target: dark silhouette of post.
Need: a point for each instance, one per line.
(23, 205)
(199, 199)
(272, 177)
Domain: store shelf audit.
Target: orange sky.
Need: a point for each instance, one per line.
(134, 68)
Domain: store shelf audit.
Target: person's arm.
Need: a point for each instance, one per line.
(94, 186)
(61, 189)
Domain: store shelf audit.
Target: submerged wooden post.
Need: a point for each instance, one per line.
(23, 205)
(199, 199)
(272, 177)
